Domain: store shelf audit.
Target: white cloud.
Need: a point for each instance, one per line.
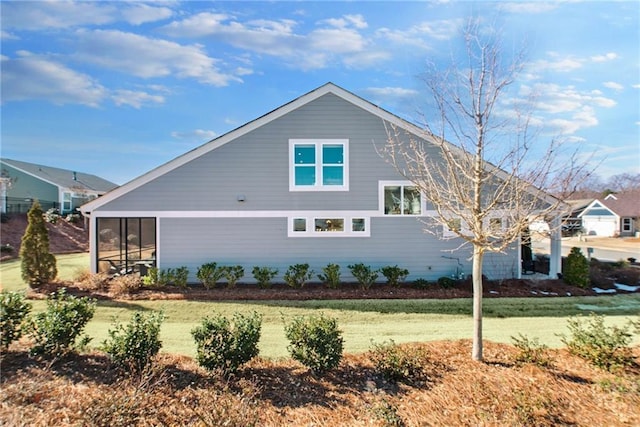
(613, 85)
(36, 77)
(557, 63)
(140, 13)
(28, 15)
(4, 35)
(146, 57)
(357, 21)
(566, 109)
(422, 34)
(395, 92)
(335, 39)
(196, 134)
(528, 7)
(604, 58)
(135, 99)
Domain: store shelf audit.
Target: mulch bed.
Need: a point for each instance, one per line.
(316, 291)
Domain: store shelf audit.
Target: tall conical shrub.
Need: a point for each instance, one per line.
(576, 271)
(38, 264)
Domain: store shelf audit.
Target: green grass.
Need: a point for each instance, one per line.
(362, 321)
(68, 266)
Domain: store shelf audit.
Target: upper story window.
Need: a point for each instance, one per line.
(400, 198)
(318, 165)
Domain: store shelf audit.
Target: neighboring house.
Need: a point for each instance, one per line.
(62, 189)
(615, 215)
(304, 183)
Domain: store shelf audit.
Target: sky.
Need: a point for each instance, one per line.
(118, 88)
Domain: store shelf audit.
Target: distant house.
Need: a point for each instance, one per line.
(615, 215)
(304, 183)
(65, 190)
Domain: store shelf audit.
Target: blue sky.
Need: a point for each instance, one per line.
(118, 88)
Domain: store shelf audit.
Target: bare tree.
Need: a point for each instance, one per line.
(479, 162)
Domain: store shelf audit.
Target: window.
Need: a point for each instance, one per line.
(125, 244)
(66, 202)
(626, 224)
(400, 198)
(318, 165)
(495, 225)
(328, 226)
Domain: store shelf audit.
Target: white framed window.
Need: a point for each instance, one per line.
(323, 225)
(400, 198)
(453, 226)
(66, 202)
(318, 165)
(626, 224)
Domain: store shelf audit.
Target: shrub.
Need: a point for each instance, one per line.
(394, 274)
(576, 271)
(531, 351)
(86, 280)
(38, 264)
(151, 278)
(224, 346)
(315, 341)
(6, 249)
(73, 218)
(165, 276)
(175, 276)
(446, 282)
(126, 284)
(264, 275)
(606, 348)
(331, 276)
(396, 363)
(180, 277)
(209, 274)
(13, 311)
(297, 275)
(4, 217)
(233, 273)
(52, 215)
(133, 346)
(421, 283)
(363, 274)
(55, 330)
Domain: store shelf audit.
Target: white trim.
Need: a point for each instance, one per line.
(231, 214)
(401, 183)
(319, 164)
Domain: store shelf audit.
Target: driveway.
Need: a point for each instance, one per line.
(602, 248)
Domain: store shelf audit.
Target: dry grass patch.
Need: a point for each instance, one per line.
(86, 390)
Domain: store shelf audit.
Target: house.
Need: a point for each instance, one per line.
(65, 190)
(304, 183)
(613, 216)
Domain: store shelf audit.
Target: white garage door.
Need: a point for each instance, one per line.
(604, 227)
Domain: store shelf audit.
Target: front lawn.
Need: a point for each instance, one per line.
(363, 321)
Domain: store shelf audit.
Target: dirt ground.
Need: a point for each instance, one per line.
(64, 237)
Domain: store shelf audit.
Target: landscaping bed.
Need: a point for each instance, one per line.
(316, 291)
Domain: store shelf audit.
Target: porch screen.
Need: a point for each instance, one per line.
(126, 244)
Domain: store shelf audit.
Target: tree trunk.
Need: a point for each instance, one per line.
(478, 255)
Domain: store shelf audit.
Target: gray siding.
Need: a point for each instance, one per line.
(263, 242)
(256, 165)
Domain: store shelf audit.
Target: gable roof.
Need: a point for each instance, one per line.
(62, 177)
(626, 203)
(596, 208)
(327, 88)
